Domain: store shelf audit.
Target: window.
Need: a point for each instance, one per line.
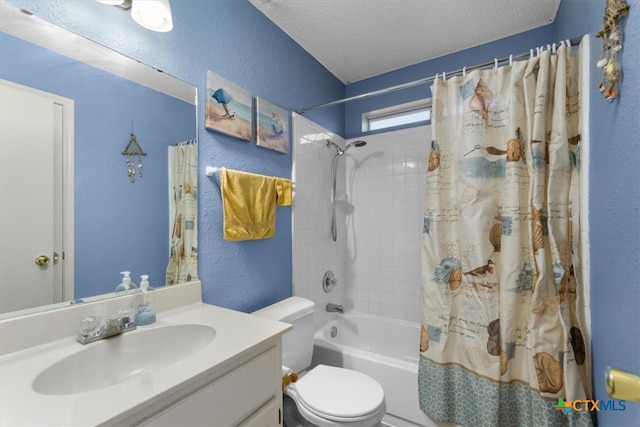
(397, 115)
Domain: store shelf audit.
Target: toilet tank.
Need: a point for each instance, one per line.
(297, 344)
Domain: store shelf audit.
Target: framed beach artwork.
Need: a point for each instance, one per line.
(272, 126)
(228, 108)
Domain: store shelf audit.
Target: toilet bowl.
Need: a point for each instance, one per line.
(324, 395)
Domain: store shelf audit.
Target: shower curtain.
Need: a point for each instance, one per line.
(501, 339)
(183, 179)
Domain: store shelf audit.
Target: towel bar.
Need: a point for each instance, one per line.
(212, 170)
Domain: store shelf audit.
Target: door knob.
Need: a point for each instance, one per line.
(622, 385)
(42, 260)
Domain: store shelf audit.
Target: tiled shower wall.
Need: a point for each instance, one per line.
(314, 252)
(385, 181)
(376, 258)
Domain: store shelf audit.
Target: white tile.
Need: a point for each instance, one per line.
(361, 306)
(399, 287)
(386, 296)
(400, 313)
(398, 168)
(386, 310)
(374, 308)
(413, 303)
(398, 153)
(374, 296)
(400, 300)
(414, 315)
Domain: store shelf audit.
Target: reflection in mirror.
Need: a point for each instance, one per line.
(90, 222)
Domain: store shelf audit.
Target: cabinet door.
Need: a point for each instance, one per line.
(231, 399)
(269, 415)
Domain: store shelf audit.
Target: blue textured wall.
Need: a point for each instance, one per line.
(614, 206)
(234, 40)
(614, 177)
(116, 226)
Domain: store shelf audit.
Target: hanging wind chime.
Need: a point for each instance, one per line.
(611, 36)
(132, 151)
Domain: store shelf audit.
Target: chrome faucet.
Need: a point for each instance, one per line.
(92, 331)
(335, 308)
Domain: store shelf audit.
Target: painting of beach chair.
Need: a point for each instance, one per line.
(228, 108)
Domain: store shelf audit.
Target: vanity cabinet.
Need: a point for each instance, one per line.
(234, 379)
(248, 394)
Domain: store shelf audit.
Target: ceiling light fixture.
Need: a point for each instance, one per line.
(122, 4)
(153, 15)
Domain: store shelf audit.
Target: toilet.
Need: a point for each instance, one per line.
(324, 395)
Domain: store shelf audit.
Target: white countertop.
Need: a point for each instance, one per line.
(236, 334)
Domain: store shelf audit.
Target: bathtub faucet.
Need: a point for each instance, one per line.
(335, 308)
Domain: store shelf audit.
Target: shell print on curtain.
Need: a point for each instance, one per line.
(183, 254)
(501, 335)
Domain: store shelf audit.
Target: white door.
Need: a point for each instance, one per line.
(31, 133)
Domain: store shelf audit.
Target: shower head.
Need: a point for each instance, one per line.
(340, 151)
(356, 144)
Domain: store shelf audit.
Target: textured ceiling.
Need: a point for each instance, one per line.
(358, 39)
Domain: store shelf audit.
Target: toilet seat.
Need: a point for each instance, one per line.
(338, 394)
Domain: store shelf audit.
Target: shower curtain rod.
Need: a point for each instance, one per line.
(531, 52)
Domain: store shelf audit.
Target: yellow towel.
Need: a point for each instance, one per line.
(249, 204)
(283, 191)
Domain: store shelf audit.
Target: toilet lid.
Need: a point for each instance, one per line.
(339, 393)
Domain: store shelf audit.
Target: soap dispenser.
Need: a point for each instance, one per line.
(126, 284)
(144, 303)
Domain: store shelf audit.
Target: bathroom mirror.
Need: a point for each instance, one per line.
(117, 224)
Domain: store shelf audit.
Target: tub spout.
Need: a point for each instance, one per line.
(335, 308)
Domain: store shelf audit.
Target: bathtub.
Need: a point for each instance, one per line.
(383, 348)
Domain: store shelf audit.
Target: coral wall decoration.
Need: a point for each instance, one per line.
(611, 35)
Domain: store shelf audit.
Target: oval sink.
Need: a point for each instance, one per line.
(118, 359)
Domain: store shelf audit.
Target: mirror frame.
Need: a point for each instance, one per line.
(26, 26)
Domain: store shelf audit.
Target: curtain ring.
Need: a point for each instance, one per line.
(495, 64)
(511, 60)
(444, 76)
(553, 49)
(530, 53)
(568, 44)
(464, 71)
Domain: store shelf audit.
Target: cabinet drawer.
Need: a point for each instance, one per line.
(230, 399)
